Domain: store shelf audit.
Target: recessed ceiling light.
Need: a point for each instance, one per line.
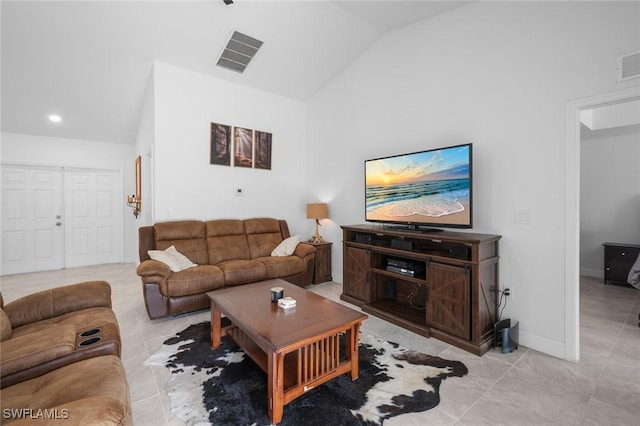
(55, 118)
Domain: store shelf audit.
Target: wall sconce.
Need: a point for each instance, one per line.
(317, 211)
(135, 201)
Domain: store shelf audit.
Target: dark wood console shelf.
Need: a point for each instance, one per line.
(440, 284)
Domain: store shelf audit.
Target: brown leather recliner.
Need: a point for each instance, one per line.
(91, 391)
(228, 252)
(53, 328)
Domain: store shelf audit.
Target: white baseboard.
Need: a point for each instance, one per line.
(595, 273)
(532, 341)
(542, 344)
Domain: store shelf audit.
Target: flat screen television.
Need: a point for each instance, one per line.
(419, 190)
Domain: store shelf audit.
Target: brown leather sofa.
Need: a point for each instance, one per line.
(59, 356)
(52, 328)
(228, 252)
(88, 392)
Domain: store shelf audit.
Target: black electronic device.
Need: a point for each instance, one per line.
(506, 335)
(463, 253)
(404, 263)
(402, 244)
(363, 238)
(406, 267)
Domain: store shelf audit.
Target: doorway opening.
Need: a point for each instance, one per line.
(572, 210)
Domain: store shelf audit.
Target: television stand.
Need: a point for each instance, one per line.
(442, 285)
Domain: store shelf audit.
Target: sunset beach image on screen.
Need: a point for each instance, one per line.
(429, 187)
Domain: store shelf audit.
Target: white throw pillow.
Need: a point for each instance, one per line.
(175, 260)
(286, 247)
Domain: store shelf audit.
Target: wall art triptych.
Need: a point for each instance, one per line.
(240, 147)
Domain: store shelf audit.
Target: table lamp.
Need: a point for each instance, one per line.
(317, 211)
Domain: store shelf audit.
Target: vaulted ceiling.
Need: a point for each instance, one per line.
(90, 61)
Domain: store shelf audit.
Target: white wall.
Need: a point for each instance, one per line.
(186, 186)
(610, 193)
(144, 148)
(498, 74)
(46, 151)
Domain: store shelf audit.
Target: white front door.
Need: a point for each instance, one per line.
(32, 232)
(54, 218)
(93, 218)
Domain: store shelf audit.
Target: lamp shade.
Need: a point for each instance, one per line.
(317, 211)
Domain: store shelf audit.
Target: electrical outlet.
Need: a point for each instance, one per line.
(508, 291)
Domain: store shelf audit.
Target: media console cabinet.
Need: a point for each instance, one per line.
(437, 284)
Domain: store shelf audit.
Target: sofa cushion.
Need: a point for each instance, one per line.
(226, 240)
(282, 266)
(187, 236)
(29, 350)
(263, 235)
(243, 271)
(171, 257)
(199, 279)
(91, 391)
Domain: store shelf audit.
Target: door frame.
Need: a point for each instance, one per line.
(119, 196)
(572, 212)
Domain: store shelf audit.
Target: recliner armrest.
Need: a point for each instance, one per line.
(29, 350)
(58, 301)
(153, 268)
(304, 250)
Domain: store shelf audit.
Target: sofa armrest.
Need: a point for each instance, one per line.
(153, 268)
(29, 350)
(304, 250)
(58, 301)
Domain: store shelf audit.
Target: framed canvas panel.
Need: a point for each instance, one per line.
(262, 153)
(220, 144)
(242, 147)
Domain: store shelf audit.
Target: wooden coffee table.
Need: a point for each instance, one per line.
(298, 348)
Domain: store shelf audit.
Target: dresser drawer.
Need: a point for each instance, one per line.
(621, 253)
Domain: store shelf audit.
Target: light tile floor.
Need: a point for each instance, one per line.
(522, 388)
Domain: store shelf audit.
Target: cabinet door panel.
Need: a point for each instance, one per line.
(449, 307)
(357, 263)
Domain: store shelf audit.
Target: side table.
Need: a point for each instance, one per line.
(618, 260)
(322, 269)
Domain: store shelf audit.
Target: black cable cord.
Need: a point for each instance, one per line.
(500, 304)
(412, 295)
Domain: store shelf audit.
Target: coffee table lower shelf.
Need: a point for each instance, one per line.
(303, 367)
(310, 345)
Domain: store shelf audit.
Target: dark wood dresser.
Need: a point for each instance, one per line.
(618, 260)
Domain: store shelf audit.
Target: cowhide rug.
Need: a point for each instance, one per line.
(225, 387)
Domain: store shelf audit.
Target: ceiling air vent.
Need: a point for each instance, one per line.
(629, 66)
(238, 52)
